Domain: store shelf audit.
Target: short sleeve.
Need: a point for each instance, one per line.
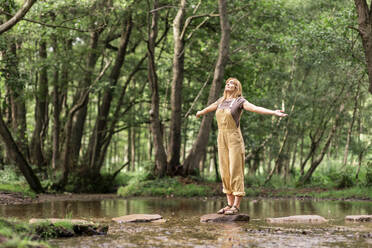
(241, 101)
(219, 100)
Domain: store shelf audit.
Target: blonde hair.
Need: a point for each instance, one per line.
(238, 88)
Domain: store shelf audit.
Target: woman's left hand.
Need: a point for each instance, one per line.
(280, 113)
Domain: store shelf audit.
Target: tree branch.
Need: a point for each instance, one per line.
(162, 7)
(56, 26)
(190, 18)
(17, 17)
(197, 97)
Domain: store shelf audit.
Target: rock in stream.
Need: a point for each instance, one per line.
(61, 228)
(298, 219)
(224, 218)
(359, 218)
(155, 218)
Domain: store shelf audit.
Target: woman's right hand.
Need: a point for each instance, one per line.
(198, 114)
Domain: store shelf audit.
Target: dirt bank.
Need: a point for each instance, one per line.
(8, 198)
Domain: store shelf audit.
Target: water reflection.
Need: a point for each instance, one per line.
(185, 230)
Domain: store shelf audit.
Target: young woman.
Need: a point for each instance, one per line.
(230, 141)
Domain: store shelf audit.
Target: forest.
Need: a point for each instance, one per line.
(96, 93)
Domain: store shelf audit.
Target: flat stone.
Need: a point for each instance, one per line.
(159, 221)
(359, 218)
(137, 218)
(224, 218)
(56, 220)
(298, 219)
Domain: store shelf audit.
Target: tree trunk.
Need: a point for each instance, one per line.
(199, 146)
(294, 156)
(96, 141)
(302, 152)
(129, 148)
(41, 112)
(60, 86)
(16, 97)
(320, 157)
(176, 93)
(15, 155)
(278, 159)
(150, 145)
(67, 162)
(365, 32)
(356, 99)
(133, 148)
(160, 155)
(360, 158)
(118, 110)
(77, 125)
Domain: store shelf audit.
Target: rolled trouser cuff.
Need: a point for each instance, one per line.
(227, 191)
(238, 193)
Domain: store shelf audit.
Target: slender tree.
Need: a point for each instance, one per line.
(365, 32)
(174, 148)
(195, 156)
(156, 130)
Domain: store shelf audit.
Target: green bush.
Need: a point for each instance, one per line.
(345, 181)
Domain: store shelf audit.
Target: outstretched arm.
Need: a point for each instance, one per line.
(260, 110)
(208, 109)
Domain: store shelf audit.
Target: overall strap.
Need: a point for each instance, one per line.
(232, 102)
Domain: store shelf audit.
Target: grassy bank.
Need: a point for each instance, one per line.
(18, 234)
(169, 187)
(165, 187)
(328, 183)
(356, 192)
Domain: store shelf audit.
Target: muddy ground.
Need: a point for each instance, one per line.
(8, 198)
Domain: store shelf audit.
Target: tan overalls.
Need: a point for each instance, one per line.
(230, 152)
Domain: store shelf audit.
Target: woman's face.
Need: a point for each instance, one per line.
(230, 86)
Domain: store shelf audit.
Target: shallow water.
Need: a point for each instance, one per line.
(183, 227)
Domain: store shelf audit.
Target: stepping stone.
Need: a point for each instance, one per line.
(359, 218)
(55, 220)
(224, 218)
(298, 219)
(139, 218)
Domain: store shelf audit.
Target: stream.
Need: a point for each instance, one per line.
(183, 227)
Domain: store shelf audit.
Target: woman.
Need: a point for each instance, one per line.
(230, 141)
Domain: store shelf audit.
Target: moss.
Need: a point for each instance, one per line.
(65, 224)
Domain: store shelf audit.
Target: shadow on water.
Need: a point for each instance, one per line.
(183, 227)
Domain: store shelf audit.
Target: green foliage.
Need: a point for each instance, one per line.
(368, 175)
(298, 53)
(10, 181)
(346, 181)
(18, 234)
(356, 192)
(164, 187)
